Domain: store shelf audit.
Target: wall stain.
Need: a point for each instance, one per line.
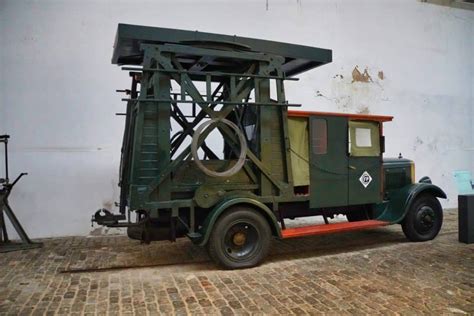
(357, 76)
(381, 75)
(363, 110)
(433, 145)
(418, 142)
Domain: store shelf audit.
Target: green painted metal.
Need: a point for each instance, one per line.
(329, 170)
(395, 209)
(298, 58)
(235, 199)
(337, 176)
(397, 174)
(365, 164)
(360, 167)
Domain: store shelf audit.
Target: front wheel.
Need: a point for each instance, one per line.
(240, 239)
(424, 219)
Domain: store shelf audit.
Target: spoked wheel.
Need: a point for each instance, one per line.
(424, 219)
(240, 239)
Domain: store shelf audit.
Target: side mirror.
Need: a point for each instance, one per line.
(382, 144)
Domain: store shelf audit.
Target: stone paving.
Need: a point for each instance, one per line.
(367, 272)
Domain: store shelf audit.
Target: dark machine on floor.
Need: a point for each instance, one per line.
(270, 164)
(6, 188)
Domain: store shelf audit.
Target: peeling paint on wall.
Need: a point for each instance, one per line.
(356, 92)
(357, 76)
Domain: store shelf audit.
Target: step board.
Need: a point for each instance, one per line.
(330, 228)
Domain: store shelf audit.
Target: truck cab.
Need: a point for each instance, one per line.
(337, 161)
(344, 164)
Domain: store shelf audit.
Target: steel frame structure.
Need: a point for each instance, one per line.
(236, 75)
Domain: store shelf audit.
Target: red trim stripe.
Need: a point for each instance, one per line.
(368, 117)
(323, 229)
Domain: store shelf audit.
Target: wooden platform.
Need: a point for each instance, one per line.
(323, 229)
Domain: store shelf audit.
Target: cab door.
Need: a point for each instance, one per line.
(365, 162)
(328, 161)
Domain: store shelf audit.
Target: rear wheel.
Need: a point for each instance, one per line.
(424, 219)
(240, 239)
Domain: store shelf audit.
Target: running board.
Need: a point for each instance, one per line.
(323, 229)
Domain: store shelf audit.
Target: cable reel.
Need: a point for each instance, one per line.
(243, 148)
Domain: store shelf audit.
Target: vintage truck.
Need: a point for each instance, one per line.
(270, 164)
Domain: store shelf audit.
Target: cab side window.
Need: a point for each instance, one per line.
(319, 136)
(364, 139)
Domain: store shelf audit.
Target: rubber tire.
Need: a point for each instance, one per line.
(408, 223)
(228, 219)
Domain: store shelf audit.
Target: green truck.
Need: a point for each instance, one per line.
(213, 151)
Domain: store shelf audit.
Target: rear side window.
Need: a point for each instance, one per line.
(319, 136)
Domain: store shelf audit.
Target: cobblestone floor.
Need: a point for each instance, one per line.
(374, 271)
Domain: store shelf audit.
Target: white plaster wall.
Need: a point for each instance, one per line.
(57, 86)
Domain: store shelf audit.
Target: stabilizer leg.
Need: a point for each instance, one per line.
(5, 244)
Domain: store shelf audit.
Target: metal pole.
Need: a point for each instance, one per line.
(6, 160)
(3, 227)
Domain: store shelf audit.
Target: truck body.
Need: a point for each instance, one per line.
(272, 162)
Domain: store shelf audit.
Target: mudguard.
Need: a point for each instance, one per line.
(207, 226)
(395, 209)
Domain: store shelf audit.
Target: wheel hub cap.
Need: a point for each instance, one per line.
(425, 219)
(239, 239)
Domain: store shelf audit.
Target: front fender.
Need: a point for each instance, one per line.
(212, 217)
(395, 209)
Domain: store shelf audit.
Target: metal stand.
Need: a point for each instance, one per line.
(6, 188)
(466, 218)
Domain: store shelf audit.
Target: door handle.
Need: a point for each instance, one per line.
(352, 167)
